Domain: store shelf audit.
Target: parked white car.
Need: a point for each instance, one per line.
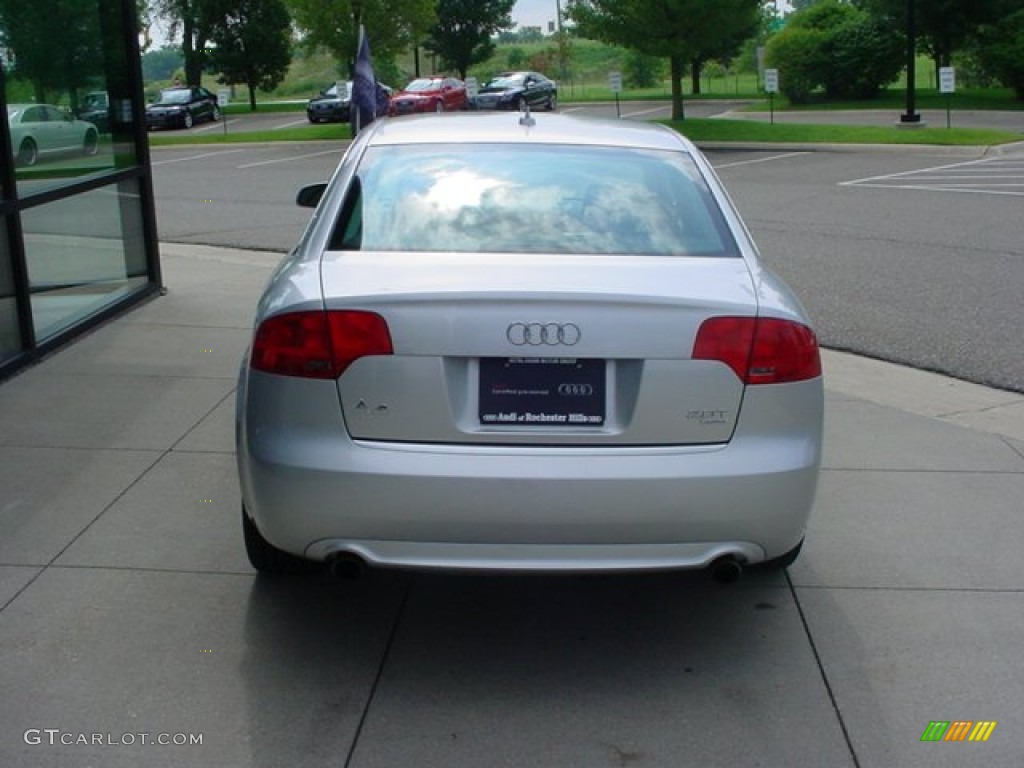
(39, 130)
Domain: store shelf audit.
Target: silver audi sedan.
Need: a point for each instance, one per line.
(526, 342)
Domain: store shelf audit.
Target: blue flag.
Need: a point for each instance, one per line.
(364, 87)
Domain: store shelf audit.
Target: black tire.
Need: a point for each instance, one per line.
(265, 557)
(552, 102)
(439, 107)
(28, 153)
(784, 561)
(523, 104)
(91, 143)
(215, 115)
(186, 121)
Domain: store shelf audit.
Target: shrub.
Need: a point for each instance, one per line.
(838, 47)
(863, 54)
(797, 52)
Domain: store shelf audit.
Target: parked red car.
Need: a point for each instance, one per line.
(430, 94)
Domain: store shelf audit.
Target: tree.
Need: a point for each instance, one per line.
(252, 45)
(392, 26)
(745, 20)
(161, 64)
(1001, 51)
(641, 70)
(943, 27)
(195, 20)
(462, 35)
(57, 44)
(679, 30)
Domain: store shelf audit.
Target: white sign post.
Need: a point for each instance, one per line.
(615, 84)
(947, 85)
(771, 86)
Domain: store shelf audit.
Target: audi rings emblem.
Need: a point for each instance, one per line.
(543, 334)
(579, 390)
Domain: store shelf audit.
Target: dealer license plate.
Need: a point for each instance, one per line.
(542, 391)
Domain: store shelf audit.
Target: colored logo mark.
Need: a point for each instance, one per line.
(958, 730)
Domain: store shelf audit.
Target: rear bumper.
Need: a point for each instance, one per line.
(165, 121)
(327, 114)
(313, 491)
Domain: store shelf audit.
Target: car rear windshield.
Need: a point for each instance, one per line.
(490, 198)
(175, 97)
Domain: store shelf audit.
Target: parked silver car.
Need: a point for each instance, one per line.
(39, 130)
(527, 342)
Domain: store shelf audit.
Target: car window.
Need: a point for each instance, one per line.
(537, 199)
(177, 96)
(505, 81)
(423, 84)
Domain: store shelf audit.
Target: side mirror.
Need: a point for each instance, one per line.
(309, 197)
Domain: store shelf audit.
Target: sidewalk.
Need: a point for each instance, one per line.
(127, 606)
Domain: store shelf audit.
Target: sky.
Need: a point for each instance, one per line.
(534, 13)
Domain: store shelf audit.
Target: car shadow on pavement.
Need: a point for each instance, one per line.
(451, 669)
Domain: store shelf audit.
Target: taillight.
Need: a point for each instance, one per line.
(318, 344)
(762, 350)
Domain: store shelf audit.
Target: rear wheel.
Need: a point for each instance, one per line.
(265, 557)
(28, 153)
(552, 102)
(439, 107)
(215, 115)
(187, 120)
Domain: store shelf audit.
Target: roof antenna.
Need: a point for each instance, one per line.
(525, 118)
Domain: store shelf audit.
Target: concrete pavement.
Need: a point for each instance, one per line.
(130, 617)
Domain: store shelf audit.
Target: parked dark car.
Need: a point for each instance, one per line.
(329, 107)
(430, 94)
(182, 108)
(514, 90)
(95, 108)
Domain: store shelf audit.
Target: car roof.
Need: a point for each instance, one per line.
(506, 128)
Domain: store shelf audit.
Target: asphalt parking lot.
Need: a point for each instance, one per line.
(908, 256)
(134, 634)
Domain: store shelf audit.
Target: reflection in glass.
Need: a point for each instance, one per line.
(10, 331)
(84, 253)
(67, 90)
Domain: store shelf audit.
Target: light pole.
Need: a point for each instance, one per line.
(910, 116)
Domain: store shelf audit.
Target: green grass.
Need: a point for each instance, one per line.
(757, 131)
(701, 130)
(896, 98)
(322, 132)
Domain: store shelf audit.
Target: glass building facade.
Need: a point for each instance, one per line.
(77, 224)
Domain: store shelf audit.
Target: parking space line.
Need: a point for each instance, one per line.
(994, 176)
(197, 157)
(762, 159)
(665, 108)
(986, 189)
(289, 125)
(337, 152)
